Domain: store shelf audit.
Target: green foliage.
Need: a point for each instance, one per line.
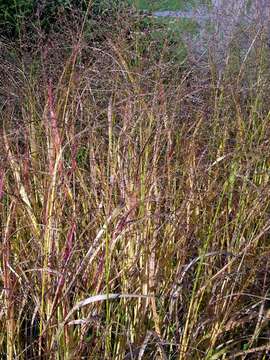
(12, 13)
(18, 14)
(159, 5)
(105, 7)
(82, 155)
(167, 35)
(172, 5)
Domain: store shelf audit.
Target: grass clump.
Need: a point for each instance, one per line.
(134, 200)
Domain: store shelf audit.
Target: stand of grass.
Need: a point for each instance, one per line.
(134, 202)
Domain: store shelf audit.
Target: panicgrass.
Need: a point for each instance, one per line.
(134, 202)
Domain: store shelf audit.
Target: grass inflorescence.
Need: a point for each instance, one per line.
(134, 199)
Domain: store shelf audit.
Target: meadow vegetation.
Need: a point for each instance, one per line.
(134, 193)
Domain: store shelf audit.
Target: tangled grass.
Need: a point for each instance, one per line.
(134, 201)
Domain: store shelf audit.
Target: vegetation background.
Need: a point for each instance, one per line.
(134, 184)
